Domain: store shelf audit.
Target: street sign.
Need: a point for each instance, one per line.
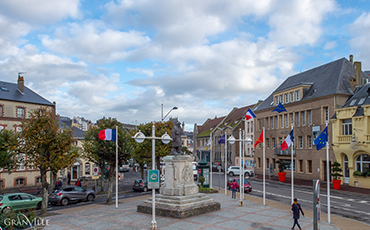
(95, 177)
(95, 171)
(153, 179)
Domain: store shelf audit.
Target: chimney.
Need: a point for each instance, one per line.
(358, 73)
(20, 84)
(351, 58)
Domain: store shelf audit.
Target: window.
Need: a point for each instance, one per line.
(309, 166)
(282, 99)
(363, 163)
(301, 165)
(289, 167)
(259, 125)
(272, 122)
(347, 127)
(267, 163)
(326, 114)
(2, 184)
(300, 139)
(303, 118)
(20, 181)
(251, 126)
(38, 180)
(267, 143)
(87, 169)
(1, 111)
(20, 112)
(276, 122)
(353, 102)
(274, 142)
(309, 141)
(286, 120)
(276, 100)
(267, 123)
(297, 118)
(291, 118)
(309, 115)
(259, 162)
(286, 98)
(281, 121)
(360, 102)
(280, 140)
(273, 163)
(291, 96)
(298, 95)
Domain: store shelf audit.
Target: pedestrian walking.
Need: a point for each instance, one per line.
(58, 184)
(69, 178)
(295, 210)
(78, 182)
(234, 186)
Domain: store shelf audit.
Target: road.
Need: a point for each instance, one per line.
(349, 205)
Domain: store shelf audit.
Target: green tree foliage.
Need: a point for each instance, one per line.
(8, 145)
(102, 152)
(143, 151)
(46, 145)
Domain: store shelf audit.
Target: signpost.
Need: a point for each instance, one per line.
(95, 176)
(316, 204)
(153, 179)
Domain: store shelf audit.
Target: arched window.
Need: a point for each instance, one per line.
(363, 163)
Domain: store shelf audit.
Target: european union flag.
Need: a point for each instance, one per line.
(279, 108)
(321, 140)
(222, 140)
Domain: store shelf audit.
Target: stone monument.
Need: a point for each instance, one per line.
(179, 196)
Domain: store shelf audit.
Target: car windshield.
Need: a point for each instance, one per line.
(55, 191)
(245, 181)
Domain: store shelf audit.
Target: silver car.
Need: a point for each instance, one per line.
(69, 194)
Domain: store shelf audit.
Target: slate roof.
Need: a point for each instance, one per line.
(29, 96)
(235, 116)
(65, 122)
(328, 79)
(360, 97)
(208, 126)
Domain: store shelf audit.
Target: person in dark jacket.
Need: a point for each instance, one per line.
(295, 210)
(58, 184)
(69, 178)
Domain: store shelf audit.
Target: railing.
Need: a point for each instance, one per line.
(344, 138)
(367, 137)
(279, 151)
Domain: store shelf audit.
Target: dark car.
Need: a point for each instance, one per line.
(140, 185)
(247, 185)
(69, 194)
(215, 168)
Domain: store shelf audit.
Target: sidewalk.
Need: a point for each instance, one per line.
(253, 215)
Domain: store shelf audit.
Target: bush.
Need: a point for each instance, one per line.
(357, 173)
(201, 180)
(282, 165)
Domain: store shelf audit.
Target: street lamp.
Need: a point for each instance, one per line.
(139, 138)
(248, 140)
(162, 118)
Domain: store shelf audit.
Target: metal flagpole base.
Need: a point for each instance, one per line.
(154, 225)
(240, 203)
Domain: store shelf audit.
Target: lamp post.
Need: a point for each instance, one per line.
(247, 140)
(139, 138)
(162, 118)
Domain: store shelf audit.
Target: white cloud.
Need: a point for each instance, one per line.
(330, 45)
(360, 38)
(147, 72)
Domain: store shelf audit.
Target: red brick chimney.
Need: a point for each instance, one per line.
(20, 84)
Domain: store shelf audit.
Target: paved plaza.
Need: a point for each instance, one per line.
(231, 216)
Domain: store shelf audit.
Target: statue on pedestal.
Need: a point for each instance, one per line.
(176, 139)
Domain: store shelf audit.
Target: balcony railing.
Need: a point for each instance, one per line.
(344, 139)
(279, 151)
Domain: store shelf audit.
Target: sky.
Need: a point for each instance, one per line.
(125, 58)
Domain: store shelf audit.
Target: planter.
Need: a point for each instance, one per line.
(282, 176)
(336, 184)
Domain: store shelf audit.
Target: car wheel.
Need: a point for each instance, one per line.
(64, 202)
(38, 207)
(145, 189)
(231, 174)
(247, 174)
(90, 197)
(6, 210)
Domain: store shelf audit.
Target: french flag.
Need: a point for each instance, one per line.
(249, 114)
(107, 135)
(288, 141)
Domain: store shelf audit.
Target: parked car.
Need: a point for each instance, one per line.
(69, 194)
(124, 168)
(215, 168)
(19, 201)
(140, 185)
(247, 185)
(235, 170)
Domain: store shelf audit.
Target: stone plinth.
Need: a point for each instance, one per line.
(179, 196)
(179, 179)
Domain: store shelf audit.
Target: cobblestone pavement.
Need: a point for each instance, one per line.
(251, 215)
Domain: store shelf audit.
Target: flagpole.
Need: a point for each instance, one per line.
(328, 175)
(240, 169)
(116, 166)
(263, 166)
(210, 162)
(291, 167)
(225, 164)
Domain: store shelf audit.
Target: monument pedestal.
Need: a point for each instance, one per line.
(179, 196)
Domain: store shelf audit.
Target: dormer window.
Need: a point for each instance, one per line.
(298, 95)
(286, 98)
(361, 101)
(276, 100)
(291, 96)
(353, 102)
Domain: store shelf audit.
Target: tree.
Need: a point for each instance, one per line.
(46, 146)
(102, 152)
(8, 144)
(143, 151)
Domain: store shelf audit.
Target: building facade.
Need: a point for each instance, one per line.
(310, 99)
(351, 138)
(16, 102)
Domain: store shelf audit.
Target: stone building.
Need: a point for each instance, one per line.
(16, 102)
(310, 98)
